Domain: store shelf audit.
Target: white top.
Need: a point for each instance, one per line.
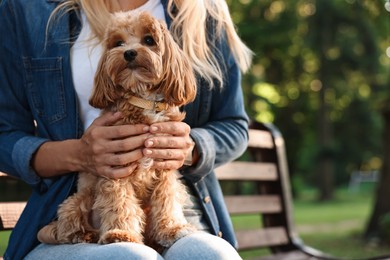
(85, 55)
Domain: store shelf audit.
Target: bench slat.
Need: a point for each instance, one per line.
(248, 239)
(10, 213)
(246, 204)
(247, 171)
(260, 139)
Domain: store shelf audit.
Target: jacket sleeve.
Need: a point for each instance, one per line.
(17, 140)
(224, 136)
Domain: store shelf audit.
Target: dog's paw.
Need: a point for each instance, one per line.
(169, 236)
(78, 237)
(84, 237)
(117, 235)
(48, 234)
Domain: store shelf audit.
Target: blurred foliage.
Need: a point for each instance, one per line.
(303, 46)
(385, 227)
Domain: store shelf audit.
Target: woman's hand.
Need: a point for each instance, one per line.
(110, 150)
(169, 144)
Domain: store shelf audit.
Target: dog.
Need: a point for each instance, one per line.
(145, 75)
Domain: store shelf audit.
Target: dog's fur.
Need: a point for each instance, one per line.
(140, 59)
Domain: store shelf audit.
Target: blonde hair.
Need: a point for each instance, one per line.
(190, 16)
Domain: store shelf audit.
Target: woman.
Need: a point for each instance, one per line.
(48, 133)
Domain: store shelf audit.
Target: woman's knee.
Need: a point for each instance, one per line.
(127, 251)
(201, 246)
(94, 251)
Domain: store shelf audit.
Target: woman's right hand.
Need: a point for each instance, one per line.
(105, 149)
(110, 150)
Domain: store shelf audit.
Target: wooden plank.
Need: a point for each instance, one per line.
(247, 171)
(260, 139)
(245, 204)
(260, 238)
(10, 213)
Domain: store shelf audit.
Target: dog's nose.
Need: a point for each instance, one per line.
(130, 55)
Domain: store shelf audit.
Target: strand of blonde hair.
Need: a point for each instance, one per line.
(192, 17)
(188, 28)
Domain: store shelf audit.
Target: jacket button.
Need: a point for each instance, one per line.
(207, 199)
(220, 234)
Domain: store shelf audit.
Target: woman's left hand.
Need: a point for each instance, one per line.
(168, 145)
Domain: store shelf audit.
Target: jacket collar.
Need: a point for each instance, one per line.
(167, 17)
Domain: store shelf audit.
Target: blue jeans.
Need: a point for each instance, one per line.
(197, 246)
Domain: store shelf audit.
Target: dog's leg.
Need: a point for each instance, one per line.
(168, 223)
(73, 224)
(122, 219)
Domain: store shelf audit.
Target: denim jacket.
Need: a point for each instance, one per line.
(38, 103)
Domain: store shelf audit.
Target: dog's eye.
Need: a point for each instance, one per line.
(119, 43)
(148, 40)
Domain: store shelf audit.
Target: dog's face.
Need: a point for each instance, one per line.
(141, 56)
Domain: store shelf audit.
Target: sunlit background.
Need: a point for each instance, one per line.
(321, 74)
(319, 65)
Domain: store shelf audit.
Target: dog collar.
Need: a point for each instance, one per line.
(146, 104)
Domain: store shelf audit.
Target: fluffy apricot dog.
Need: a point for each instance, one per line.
(144, 74)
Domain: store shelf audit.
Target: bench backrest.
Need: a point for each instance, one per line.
(265, 166)
(9, 210)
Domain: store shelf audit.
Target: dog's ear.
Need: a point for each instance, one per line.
(179, 84)
(104, 89)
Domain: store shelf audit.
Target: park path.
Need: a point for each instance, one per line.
(341, 226)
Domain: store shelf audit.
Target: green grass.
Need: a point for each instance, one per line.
(3, 241)
(344, 207)
(334, 227)
(308, 211)
(343, 221)
(347, 244)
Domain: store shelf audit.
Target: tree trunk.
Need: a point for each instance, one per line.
(325, 168)
(382, 202)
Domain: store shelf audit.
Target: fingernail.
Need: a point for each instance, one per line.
(149, 143)
(153, 128)
(146, 128)
(148, 152)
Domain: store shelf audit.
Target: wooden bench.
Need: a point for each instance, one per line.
(9, 210)
(265, 174)
(264, 171)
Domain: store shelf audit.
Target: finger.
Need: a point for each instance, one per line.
(128, 144)
(172, 128)
(123, 131)
(123, 159)
(108, 118)
(165, 154)
(118, 173)
(167, 142)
